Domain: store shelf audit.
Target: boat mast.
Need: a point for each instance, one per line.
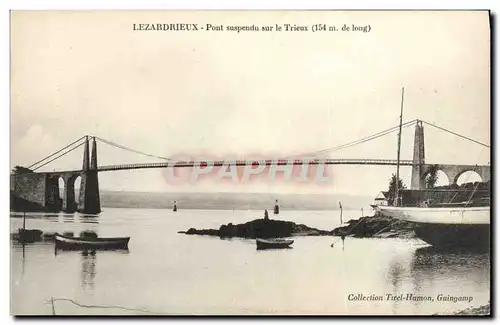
(399, 146)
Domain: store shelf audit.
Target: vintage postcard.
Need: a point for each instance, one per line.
(250, 163)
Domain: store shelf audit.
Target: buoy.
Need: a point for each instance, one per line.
(340, 205)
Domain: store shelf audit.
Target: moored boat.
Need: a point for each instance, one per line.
(29, 235)
(455, 225)
(447, 227)
(273, 243)
(91, 243)
(443, 215)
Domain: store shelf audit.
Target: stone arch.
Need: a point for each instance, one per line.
(468, 176)
(53, 199)
(61, 184)
(69, 203)
(77, 187)
(441, 177)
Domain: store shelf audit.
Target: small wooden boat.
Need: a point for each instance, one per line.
(29, 235)
(273, 243)
(91, 243)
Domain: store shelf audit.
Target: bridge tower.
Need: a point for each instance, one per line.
(417, 179)
(89, 187)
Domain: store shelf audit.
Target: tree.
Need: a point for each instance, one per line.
(392, 189)
(432, 177)
(20, 170)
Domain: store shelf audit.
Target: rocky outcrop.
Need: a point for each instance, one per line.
(484, 310)
(365, 227)
(260, 228)
(375, 226)
(476, 311)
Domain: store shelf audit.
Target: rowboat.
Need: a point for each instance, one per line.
(91, 243)
(273, 243)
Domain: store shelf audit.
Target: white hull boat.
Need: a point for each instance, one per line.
(457, 227)
(456, 215)
(444, 226)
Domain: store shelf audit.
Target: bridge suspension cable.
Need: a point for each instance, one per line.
(64, 153)
(365, 139)
(114, 144)
(454, 133)
(332, 149)
(55, 153)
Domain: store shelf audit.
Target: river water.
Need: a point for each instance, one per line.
(168, 273)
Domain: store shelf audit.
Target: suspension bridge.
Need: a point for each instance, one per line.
(42, 187)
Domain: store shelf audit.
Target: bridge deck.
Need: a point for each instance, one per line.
(255, 163)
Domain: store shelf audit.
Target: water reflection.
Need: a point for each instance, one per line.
(84, 218)
(396, 277)
(430, 266)
(26, 251)
(68, 218)
(429, 260)
(180, 268)
(51, 217)
(23, 262)
(58, 217)
(88, 264)
(88, 270)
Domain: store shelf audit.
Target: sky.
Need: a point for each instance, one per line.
(226, 95)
